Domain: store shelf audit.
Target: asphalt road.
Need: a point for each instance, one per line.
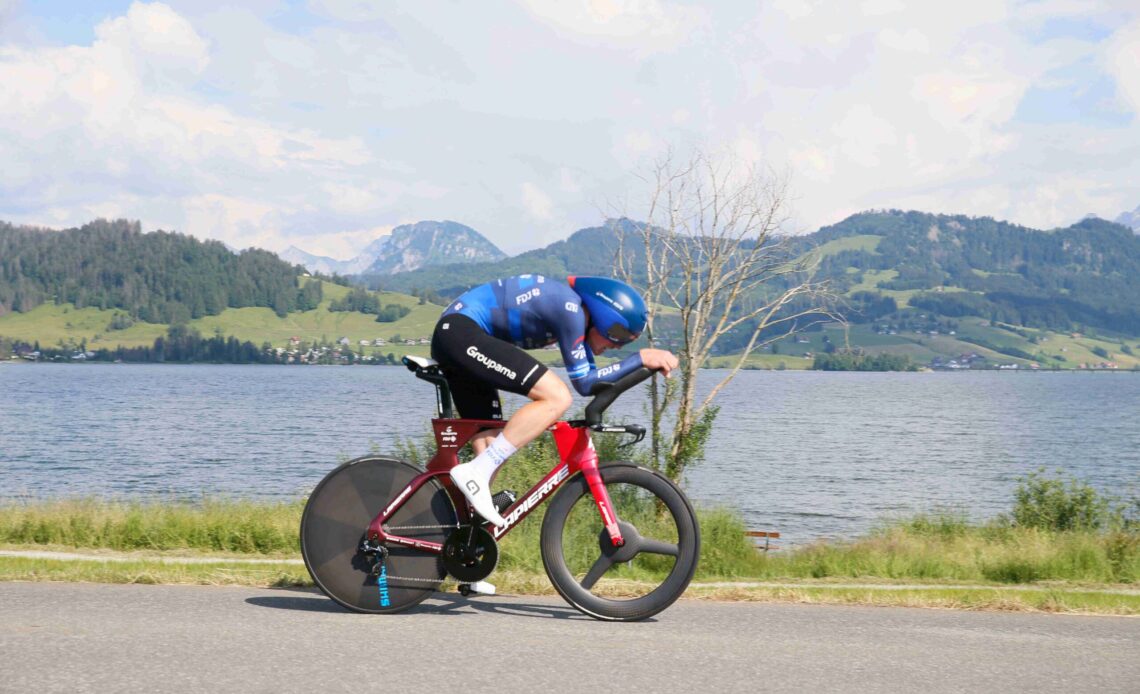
(108, 638)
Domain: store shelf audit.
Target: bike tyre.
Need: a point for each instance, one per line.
(611, 609)
(336, 518)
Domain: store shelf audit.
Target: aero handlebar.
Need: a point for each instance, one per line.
(604, 396)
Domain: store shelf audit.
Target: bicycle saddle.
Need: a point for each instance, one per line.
(419, 363)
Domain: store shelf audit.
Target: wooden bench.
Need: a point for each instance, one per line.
(768, 537)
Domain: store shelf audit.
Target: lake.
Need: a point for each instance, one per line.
(808, 454)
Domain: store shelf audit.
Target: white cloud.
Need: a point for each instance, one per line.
(648, 25)
(89, 123)
(908, 41)
(873, 8)
(813, 162)
(638, 142)
(863, 134)
(1122, 57)
(156, 35)
(350, 10)
(536, 201)
(344, 244)
(250, 121)
(569, 181)
(247, 222)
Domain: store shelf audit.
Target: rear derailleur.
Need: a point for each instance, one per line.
(376, 553)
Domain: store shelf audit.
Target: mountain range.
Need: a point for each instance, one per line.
(1087, 274)
(1130, 219)
(413, 254)
(924, 286)
(408, 247)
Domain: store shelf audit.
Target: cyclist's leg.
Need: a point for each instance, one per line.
(480, 441)
(551, 398)
(469, 355)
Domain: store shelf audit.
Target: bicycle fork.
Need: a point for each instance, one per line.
(576, 448)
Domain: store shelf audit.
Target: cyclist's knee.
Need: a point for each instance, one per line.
(551, 390)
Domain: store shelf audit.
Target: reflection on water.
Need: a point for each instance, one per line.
(808, 454)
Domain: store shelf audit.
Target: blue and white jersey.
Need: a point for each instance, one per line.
(530, 311)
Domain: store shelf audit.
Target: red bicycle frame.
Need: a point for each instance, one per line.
(575, 449)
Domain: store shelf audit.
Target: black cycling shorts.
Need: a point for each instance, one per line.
(478, 366)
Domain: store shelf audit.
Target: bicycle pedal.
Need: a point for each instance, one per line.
(504, 499)
(477, 588)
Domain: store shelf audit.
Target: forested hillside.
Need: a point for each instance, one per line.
(1086, 275)
(156, 277)
(934, 289)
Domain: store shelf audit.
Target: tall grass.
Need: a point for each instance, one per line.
(948, 549)
(930, 548)
(214, 525)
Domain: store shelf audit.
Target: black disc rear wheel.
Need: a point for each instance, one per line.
(644, 576)
(336, 519)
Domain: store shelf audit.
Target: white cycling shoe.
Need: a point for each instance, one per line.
(475, 488)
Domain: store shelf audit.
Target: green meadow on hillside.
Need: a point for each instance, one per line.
(51, 324)
(922, 338)
(857, 242)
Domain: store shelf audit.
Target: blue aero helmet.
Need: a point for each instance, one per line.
(616, 309)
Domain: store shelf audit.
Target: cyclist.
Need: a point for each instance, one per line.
(479, 342)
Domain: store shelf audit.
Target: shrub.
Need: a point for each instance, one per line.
(1061, 503)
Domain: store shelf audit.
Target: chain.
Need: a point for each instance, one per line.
(389, 528)
(417, 580)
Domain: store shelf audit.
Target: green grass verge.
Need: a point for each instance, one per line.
(1068, 571)
(1041, 564)
(153, 570)
(268, 529)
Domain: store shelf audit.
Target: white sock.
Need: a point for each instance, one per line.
(487, 462)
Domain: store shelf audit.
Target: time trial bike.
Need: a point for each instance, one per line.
(619, 541)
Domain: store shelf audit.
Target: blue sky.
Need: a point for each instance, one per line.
(323, 124)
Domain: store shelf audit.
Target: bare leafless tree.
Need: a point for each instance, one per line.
(715, 253)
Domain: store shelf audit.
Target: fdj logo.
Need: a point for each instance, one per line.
(571, 307)
(523, 298)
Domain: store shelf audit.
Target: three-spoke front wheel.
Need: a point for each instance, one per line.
(643, 576)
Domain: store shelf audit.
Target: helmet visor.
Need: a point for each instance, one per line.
(620, 334)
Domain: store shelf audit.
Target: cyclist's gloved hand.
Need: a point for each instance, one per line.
(661, 359)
